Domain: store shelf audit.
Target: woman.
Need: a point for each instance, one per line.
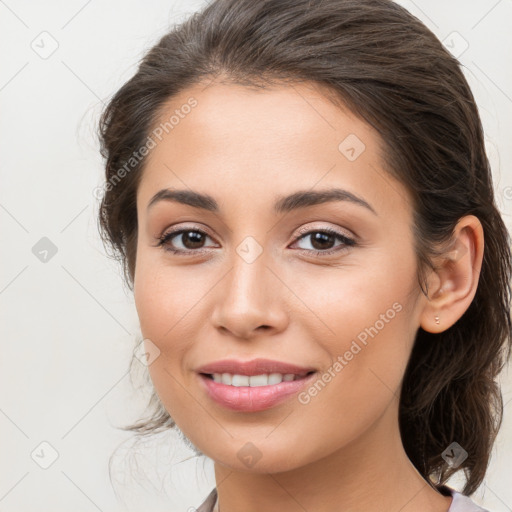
(301, 199)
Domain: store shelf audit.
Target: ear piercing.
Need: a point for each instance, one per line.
(436, 318)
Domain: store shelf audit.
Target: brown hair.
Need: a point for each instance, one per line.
(391, 71)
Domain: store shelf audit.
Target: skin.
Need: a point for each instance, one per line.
(244, 147)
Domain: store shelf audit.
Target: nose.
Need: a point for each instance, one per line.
(250, 300)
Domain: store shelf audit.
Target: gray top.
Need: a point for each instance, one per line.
(460, 503)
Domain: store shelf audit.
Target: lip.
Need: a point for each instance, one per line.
(253, 367)
(253, 399)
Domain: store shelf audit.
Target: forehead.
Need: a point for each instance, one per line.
(263, 143)
(258, 118)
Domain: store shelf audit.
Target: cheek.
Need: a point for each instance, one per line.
(369, 356)
(170, 306)
(363, 300)
(362, 323)
(160, 309)
(165, 298)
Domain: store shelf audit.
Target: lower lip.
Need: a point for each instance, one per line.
(253, 399)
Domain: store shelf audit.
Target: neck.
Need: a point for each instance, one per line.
(372, 473)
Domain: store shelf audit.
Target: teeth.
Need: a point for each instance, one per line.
(253, 381)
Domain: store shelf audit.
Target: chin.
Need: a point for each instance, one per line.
(258, 457)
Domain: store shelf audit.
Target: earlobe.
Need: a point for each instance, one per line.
(456, 276)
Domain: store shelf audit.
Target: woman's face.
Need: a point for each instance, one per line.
(258, 276)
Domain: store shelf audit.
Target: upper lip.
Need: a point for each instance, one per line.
(253, 367)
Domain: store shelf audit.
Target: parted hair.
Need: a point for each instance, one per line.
(389, 69)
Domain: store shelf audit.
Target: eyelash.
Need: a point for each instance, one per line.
(347, 242)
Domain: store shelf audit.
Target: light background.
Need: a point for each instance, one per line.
(69, 325)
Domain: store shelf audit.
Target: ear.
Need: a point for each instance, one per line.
(455, 280)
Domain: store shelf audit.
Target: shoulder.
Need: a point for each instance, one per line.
(209, 502)
(461, 503)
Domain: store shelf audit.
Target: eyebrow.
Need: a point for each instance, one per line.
(284, 204)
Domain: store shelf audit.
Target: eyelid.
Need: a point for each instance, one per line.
(349, 240)
(191, 227)
(337, 230)
(301, 231)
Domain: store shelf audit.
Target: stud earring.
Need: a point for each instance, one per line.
(437, 319)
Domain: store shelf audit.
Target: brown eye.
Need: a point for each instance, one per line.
(191, 239)
(183, 241)
(323, 241)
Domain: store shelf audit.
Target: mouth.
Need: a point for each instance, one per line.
(253, 393)
(254, 381)
(254, 368)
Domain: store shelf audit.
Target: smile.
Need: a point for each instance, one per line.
(253, 381)
(253, 393)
